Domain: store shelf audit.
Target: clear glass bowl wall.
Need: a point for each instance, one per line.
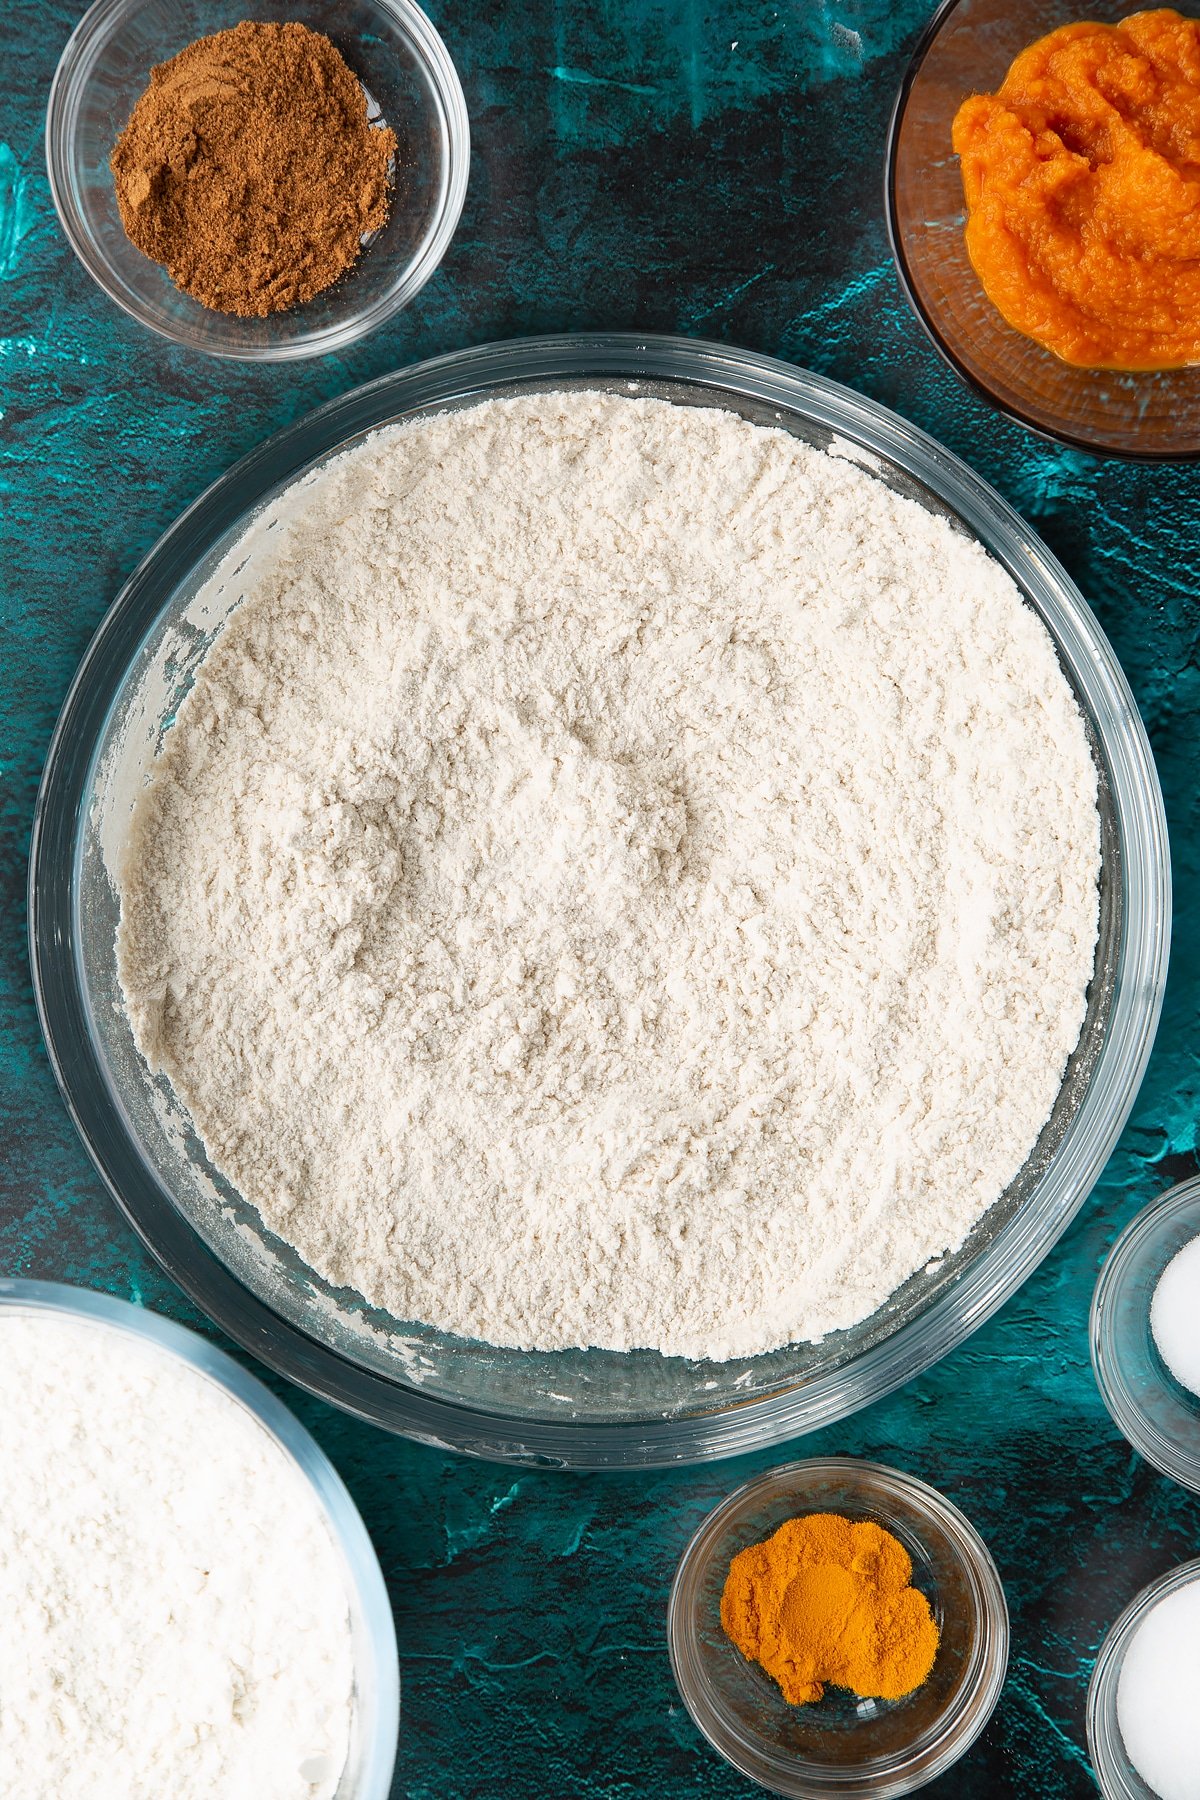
(574, 1408)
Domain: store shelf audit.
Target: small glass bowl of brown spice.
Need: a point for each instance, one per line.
(288, 183)
(863, 1595)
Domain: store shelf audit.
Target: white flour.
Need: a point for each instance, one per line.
(623, 878)
(173, 1619)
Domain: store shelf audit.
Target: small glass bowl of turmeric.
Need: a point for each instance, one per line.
(829, 1572)
(1075, 287)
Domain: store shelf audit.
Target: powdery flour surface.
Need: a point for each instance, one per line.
(174, 1619)
(622, 877)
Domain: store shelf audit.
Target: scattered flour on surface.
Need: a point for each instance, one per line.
(621, 877)
(174, 1617)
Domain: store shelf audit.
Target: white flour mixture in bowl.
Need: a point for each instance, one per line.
(174, 1622)
(622, 877)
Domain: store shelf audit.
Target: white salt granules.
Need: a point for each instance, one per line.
(621, 877)
(1175, 1316)
(173, 1619)
(1156, 1696)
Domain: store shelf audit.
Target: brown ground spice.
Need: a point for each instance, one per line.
(248, 168)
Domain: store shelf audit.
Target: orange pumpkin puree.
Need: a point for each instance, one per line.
(1082, 181)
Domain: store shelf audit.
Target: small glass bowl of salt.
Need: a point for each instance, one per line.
(1141, 1703)
(1145, 1333)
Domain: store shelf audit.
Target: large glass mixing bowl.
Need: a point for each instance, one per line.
(580, 1408)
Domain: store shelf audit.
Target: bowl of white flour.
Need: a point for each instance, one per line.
(600, 900)
(191, 1603)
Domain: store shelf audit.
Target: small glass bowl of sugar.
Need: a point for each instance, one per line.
(1142, 1725)
(1145, 1333)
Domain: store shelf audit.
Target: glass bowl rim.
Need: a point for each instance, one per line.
(1162, 1453)
(929, 34)
(329, 1492)
(994, 1274)
(1103, 1731)
(67, 88)
(971, 1709)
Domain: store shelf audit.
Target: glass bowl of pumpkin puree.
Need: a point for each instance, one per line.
(1083, 268)
(838, 1742)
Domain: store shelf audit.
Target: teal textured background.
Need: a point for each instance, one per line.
(650, 164)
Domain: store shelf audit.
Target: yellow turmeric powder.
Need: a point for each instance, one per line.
(827, 1600)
